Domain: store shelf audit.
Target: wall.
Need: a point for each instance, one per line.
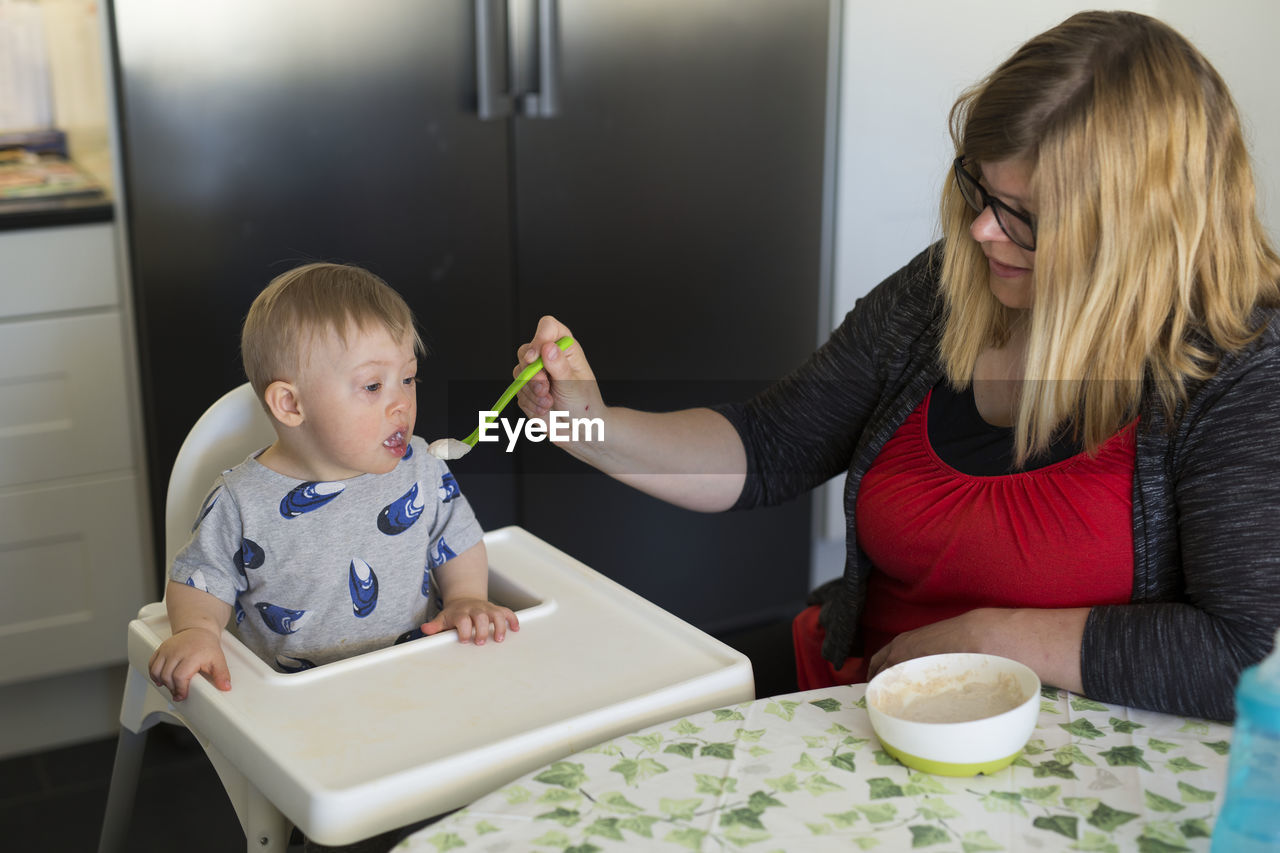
(904, 63)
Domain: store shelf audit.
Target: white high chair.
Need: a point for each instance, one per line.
(449, 722)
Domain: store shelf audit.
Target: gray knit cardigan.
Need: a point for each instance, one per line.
(1206, 496)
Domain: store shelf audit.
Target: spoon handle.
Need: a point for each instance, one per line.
(514, 388)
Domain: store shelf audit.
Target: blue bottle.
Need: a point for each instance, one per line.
(1250, 816)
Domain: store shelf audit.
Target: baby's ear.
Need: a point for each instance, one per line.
(283, 403)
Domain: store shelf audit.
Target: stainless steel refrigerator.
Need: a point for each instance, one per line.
(650, 171)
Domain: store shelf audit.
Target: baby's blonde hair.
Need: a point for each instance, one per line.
(312, 300)
(1149, 255)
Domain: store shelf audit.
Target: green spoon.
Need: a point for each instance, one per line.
(452, 448)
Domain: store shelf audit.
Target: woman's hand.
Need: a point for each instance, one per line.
(964, 633)
(565, 384)
(1048, 641)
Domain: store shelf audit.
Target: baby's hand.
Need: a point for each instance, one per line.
(182, 656)
(474, 618)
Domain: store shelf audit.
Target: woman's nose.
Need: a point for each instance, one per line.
(985, 229)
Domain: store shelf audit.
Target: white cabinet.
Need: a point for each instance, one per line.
(73, 560)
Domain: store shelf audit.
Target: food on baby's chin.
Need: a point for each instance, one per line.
(948, 700)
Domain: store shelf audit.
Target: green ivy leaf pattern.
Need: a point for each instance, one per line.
(844, 820)
(649, 743)
(684, 728)
(1125, 726)
(879, 812)
(718, 750)
(1079, 703)
(1157, 803)
(616, 802)
(763, 776)
(566, 774)
(679, 809)
(561, 815)
(819, 784)
(554, 838)
(1195, 828)
(1125, 756)
(978, 842)
(926, 835)
(1192, 794)
(782, 708)
(635, 771)
(1082, 728)
(882, 788)
(1221, 747)
(1106, 818)
(708, 784)
(1064, 825)
(446, 841)
(1182, 764)
(685, 749)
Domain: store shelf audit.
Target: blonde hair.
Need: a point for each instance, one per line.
(1150, 257)
(312, 300)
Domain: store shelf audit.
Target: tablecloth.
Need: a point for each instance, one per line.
(805, 772)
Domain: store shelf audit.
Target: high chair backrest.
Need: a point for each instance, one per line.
(229, 430)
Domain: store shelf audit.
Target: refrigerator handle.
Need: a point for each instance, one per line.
(545, 103)
(492, 99)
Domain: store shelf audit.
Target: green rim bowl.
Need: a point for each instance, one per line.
(970, 741)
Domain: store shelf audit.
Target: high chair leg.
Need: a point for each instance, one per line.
(124, 785)
(266, 829)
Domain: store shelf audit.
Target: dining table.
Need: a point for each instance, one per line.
(805, 772)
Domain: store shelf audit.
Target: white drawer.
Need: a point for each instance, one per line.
(63, 409)
(72, 572)
(66, 268)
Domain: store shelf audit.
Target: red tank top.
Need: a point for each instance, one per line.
(944, 542)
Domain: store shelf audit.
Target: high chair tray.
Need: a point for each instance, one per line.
(405, 733)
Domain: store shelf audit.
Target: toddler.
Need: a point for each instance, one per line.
(345, 535)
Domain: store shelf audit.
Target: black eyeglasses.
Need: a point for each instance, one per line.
(1018, 227)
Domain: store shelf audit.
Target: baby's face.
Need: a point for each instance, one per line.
(359, 402)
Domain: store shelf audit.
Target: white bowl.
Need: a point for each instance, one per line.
(955, 714)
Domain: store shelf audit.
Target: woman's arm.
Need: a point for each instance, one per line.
(691, 458)
(1048, 641)
(1211, 602)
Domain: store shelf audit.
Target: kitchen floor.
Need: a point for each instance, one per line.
(53, 801)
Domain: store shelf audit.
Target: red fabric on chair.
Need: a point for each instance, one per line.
(812, 669)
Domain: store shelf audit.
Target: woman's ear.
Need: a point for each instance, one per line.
(282, 401)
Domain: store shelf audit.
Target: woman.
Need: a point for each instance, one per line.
(1058, 423)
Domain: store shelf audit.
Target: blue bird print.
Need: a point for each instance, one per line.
(282, 620)
(248, 556)
(449, 488)
(441, 554)
(426, 581)
(364, 588)
(285, 663)
(308, 497)
(209, 500)
(399, 515)
(240, 614)
(197, 580)
(408, 452)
